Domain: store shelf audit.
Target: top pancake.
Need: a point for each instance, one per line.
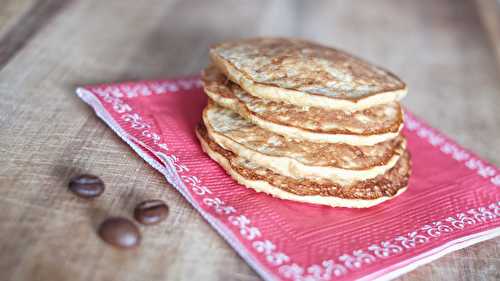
(365, 127)
(305, 74)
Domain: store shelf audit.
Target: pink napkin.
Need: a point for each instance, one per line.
(453, 199)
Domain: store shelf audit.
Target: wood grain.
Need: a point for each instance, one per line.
(47, 134)
(489, 13)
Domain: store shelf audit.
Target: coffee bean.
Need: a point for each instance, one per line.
(120, 232)
(86, 186)
(151, 212)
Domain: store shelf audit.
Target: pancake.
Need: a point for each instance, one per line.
(306, 74)
(360, 194)
(366, 127)
(340, 163)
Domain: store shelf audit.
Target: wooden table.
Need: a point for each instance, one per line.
(47, 134)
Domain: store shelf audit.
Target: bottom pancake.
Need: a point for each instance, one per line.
(360, 194)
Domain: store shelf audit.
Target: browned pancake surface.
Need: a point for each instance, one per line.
(306, 67)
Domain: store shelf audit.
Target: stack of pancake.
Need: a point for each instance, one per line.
(305, 122)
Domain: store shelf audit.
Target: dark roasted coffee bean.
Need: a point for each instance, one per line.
(120, 232)
(151, 212)
(86, 186)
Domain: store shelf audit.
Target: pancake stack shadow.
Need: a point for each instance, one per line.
(305, 122)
